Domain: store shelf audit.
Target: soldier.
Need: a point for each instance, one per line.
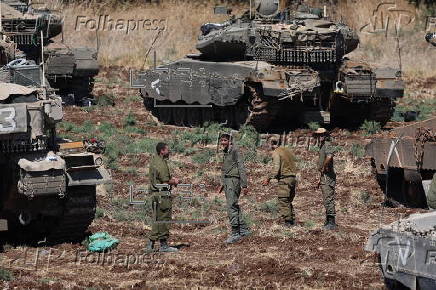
(284, 170)
(327, 179)
(431, 195)
(233, 179)
(161, 199)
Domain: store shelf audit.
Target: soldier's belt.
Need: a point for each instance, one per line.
(230, 176)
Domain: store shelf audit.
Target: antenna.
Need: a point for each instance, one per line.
(397, 32)
(97, 40)
(1, 26)
(250, 9)
(42, 59)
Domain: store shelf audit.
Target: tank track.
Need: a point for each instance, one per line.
(79, 212)
(381, 110)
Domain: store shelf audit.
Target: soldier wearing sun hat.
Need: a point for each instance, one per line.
(327, 180)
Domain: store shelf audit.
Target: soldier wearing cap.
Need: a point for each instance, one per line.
(234, 178)
(159, 175)
(284, 170)
(328, 176)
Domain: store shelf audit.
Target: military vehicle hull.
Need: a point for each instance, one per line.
(273, 69)
(407, 252)
(69, 70)
(48, 189)
(403, 160)
(190, 92)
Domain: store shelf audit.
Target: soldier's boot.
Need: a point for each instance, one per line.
(330, 223)
(234, 237)
(150, 247)
(290, 223)
(165, 248)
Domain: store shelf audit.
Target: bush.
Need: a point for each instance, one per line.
(129, 120)
(203, 156)
(5, 275)
(269, 206)
(106, 100)
(370, 127)
(248, 137)
(313, 126)
(358, 150)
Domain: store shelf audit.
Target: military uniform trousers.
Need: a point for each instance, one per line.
(328, 184)
(232, 189)
(285, 193)
(162, 207)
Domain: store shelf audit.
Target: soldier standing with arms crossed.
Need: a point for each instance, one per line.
(284, 170)
(233, 179)
(327, 179)
(161, 199)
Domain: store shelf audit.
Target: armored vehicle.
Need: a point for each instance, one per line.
(407, 252)
(272, 67)
(404, 161)
(46, 190)
(70, 70)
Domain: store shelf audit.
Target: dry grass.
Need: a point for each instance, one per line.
(183, 20)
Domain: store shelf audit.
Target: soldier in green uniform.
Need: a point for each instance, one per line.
(233, 179)
(327, 179)
(431, 195)
(159, 174)
(284, 170)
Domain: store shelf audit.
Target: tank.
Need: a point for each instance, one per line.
(69, 70)
(404, 161)
(272, 67)
(406, 251)
(47, 186)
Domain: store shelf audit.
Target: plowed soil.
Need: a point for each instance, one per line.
(303, 257)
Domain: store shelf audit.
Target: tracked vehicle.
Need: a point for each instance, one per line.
(69, 70)
(273, 67)
(46, 190)
(407, 252)
(405, 161)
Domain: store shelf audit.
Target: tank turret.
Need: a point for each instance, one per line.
(70, 70)
(273, 67)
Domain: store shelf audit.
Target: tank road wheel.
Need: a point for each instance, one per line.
(194, 116)
(207, 115)
(165, 115)
(179, 116)
(381, 110)
(78, 214)
(260, 116)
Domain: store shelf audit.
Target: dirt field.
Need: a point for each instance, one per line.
(304, 257)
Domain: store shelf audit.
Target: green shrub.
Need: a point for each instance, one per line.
(248, 137)
(203, 156)
(5, 275)
(313, 126)
(129, 120)
(370, 127)
(106, 100)
(99, 212)
(269, 206)
(358, 150)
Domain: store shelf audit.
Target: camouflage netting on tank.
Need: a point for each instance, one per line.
(410, 227)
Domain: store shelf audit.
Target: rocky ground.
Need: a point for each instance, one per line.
(304, 257)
